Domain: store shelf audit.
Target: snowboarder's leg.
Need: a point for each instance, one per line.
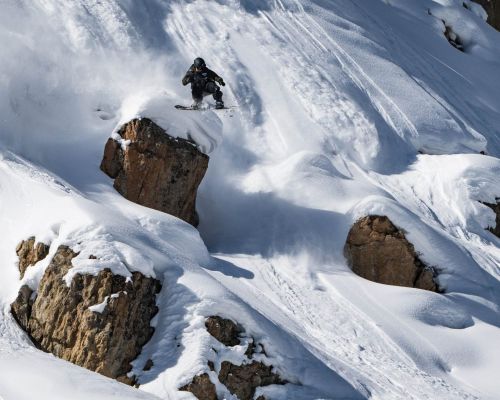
(214, 90)
(218, 99)
(197, 93)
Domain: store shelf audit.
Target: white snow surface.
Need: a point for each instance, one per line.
(344, 108)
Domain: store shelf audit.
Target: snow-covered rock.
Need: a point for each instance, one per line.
(98, 322)
(377, 250)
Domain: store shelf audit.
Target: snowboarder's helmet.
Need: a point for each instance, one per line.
(199, 62)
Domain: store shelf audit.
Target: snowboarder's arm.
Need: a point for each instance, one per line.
(188, 77)
(212, 75)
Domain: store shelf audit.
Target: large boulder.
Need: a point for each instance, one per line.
(378, 251)
(154, 169)
(100, 322)
(492, 8)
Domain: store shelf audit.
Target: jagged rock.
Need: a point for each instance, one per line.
(105, 339)
(201, 387)
(496, 208)
(224, 330)
(155, 169)
(242, 380)
(30, 253)
(492, 8)
(378, 251)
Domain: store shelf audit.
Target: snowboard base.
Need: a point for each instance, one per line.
(191, 108)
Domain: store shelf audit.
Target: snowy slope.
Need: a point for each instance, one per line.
(345, 108)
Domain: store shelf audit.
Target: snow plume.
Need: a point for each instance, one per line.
(59, 71)
(343, 108)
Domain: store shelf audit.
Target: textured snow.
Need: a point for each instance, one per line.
(344, 108)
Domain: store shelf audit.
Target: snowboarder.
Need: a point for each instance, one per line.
(203, 83)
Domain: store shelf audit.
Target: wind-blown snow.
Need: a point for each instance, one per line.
(344, 108)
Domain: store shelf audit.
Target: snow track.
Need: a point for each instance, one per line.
(334, 102)
(338, 333)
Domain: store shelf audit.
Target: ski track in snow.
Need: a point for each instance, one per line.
(342, 336)
(332, 108)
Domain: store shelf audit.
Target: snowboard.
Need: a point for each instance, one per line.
(190, 108)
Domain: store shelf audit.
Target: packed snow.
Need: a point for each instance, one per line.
(342, 109)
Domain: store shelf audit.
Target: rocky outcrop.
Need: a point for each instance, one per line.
(241, 380)
(155, 169)
(224, 330)
(492, 8)
(201, 387)
(99, 322)
(378, 251)
(29, 253)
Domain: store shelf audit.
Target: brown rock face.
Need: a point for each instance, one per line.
(242, 380)
(29, 254)
(201, 387)
(378, 251)
(224, 330)
(60, 321)
(156, 170)
(492, 8)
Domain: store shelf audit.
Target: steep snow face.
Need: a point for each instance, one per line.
(335, 101)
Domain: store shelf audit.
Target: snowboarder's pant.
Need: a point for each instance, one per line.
(210, 88)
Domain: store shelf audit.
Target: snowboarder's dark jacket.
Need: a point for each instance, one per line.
(201, 76)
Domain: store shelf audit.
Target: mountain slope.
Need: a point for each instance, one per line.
(345, 108)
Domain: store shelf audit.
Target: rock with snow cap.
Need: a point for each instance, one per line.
(378, 251)
(154, 169)
(99, 322)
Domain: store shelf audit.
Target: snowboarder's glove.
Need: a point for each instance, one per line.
(221, 82)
